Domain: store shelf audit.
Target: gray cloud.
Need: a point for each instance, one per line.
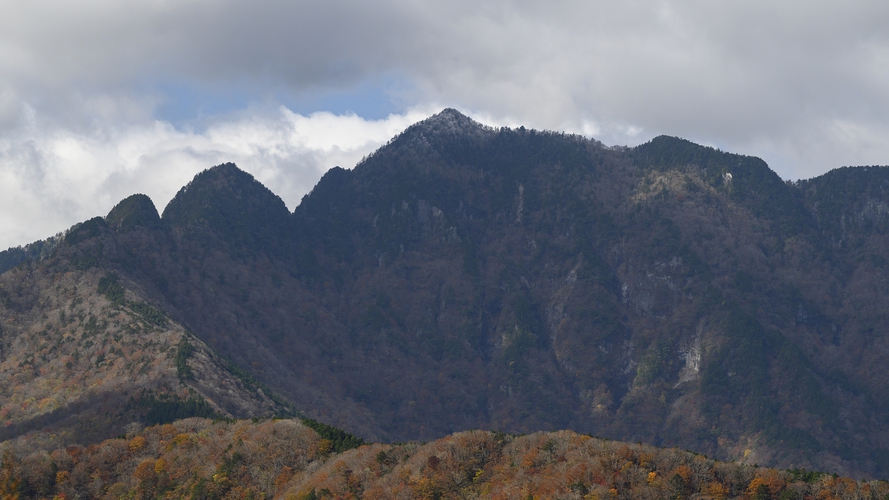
(733, 69)
(801, 84)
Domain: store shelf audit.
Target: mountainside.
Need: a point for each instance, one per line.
(197, 458)
(82, 355)
(466, 277)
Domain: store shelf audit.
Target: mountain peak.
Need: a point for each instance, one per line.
(135, 210)
(225, 173)
(449, 122)
(437, 133)
(449, 114)
(223, 184)
(232, 203)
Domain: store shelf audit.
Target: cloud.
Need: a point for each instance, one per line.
(53, 178)
(730, 71)
(799, 83)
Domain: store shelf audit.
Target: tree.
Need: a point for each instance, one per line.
(9, 483)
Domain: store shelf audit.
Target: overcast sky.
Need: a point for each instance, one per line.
(100, 99)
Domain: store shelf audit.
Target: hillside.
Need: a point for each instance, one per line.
(466, 277)
(197, 458)
(82, 355)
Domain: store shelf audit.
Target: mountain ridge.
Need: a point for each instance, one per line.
(469, 277)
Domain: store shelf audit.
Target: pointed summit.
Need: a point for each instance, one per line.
(440, 134)
(448, 122)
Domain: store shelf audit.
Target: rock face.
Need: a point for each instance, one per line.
(465, 277)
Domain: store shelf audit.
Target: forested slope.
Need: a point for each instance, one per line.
(198, 458)
(467, 277)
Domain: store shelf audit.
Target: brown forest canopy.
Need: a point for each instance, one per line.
(199, 458)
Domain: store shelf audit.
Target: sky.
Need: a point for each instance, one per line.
(101, 99)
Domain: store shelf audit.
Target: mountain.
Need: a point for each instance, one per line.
(465, 277)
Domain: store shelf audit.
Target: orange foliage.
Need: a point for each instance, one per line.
(145, 470)
(167, 431)
(279, 459)
(137, 443)
(685, 472)
(716, 490)
(283, 478)
(180, 440)
(74, 452)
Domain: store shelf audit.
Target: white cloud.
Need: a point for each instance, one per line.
(51, 179)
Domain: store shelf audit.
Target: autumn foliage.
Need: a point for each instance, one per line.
(199, 458)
